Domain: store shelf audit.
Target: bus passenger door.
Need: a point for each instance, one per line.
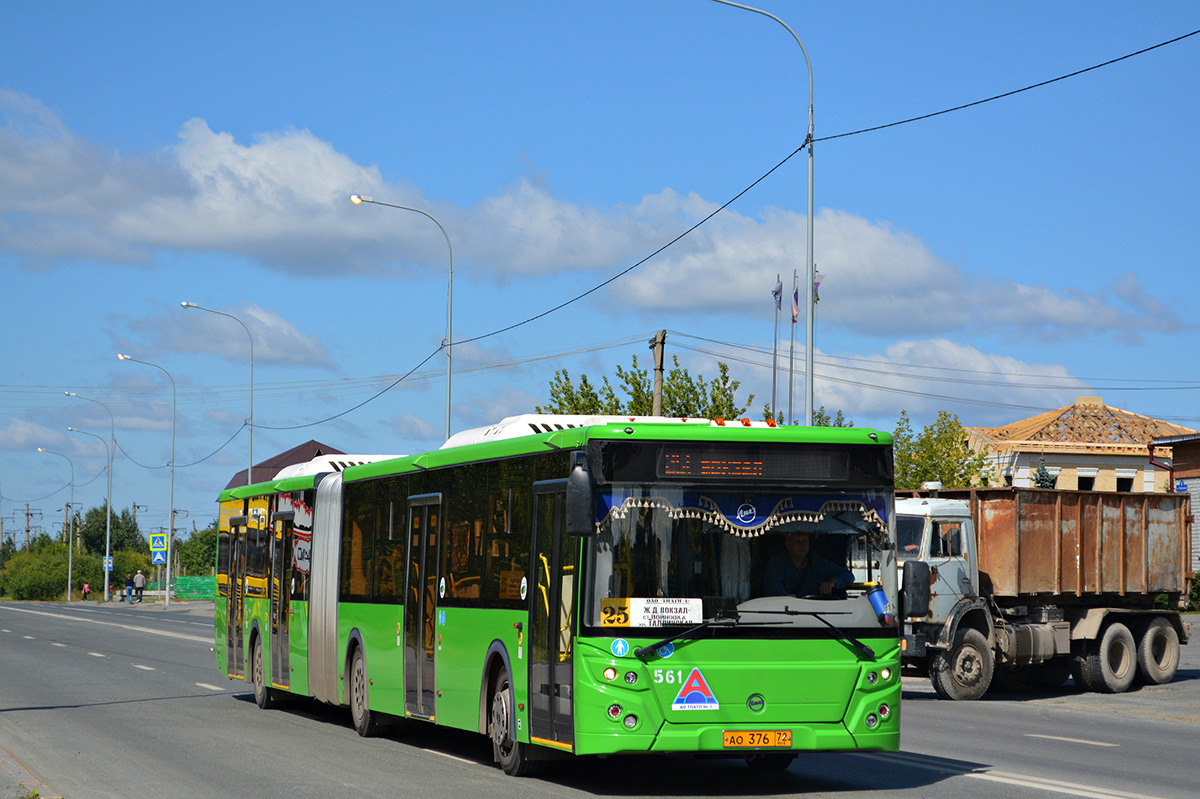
(424, 524)
(237, 587)
(280, 586)
(551, 619)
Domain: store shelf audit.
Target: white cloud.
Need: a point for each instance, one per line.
(282, 201)
(276, 340)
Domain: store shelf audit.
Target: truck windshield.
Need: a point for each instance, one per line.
(909, 530)
(676, 556)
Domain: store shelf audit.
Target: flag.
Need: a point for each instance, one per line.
(777, 293)
(795, 304)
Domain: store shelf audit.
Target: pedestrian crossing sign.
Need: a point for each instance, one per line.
(158, 542)
(158, 557)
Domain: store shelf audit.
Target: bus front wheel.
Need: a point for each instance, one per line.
(264, 697)
(509, 753)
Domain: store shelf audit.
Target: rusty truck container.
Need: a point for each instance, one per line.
(1079, 545)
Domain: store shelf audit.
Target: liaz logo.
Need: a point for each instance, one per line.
(695, 694)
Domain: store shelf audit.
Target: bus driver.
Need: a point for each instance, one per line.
(798, 572)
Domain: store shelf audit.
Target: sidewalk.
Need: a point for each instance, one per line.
(17, 783)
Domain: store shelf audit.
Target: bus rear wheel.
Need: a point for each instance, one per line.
(366, 721)
(510, 754)
(264, 697)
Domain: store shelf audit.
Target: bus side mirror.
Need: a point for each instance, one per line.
(581, 499)
(915, 592)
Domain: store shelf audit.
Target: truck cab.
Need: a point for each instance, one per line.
(954, 639)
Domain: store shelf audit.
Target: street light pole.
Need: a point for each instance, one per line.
(70, 532)
(112, 444)
(808, 304)
(171, 495)
(359, 199)
(250, 420)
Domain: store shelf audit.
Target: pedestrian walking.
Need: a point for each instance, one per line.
(128, 588)
(87, 589)
(139, 584)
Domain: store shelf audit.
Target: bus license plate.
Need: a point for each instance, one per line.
(734, 739)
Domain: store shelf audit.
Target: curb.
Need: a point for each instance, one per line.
(11, 767)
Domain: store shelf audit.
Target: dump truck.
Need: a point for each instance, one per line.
(1013, 587)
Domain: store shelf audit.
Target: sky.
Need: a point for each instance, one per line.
(994, 262)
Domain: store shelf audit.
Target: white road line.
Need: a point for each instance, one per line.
(452, 757)
(208, 687)
(56, 643)
(1068, 740)
(5, 631)
(97, 655)
(943, 766)
(143, 668)
(135, 628)
(28, 637)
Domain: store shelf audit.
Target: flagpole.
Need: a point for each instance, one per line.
(778, 294)
(792, 347)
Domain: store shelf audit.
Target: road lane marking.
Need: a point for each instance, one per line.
(28, 637)
(56, 643)
(954, 768)
(1068, 740)
(452, 757)
(97, 655)
(143, 668)
(133, 627)
(209, 687)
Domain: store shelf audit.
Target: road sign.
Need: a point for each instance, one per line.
(158, 557)
(108, 564)
(158, 542)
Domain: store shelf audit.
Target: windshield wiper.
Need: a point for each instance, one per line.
(835, 632)
(716, 621)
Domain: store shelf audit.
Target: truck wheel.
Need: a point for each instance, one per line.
(965, 670)
(1111, 662)
(1157, 653)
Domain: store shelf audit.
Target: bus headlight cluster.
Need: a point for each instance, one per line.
(885, 710)
(614, 711)
(610, 674)
(883, 674)
(872, 720)
(630, 677)
(630, 721)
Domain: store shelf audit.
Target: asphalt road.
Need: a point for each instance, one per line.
(120, 701)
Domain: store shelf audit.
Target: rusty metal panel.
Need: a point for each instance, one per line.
(1133, 549)
(1071, 512)
(1109, 541)
(996, 534)
(1166, 544)
(1037, 533)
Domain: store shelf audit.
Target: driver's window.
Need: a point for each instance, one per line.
(946, 541)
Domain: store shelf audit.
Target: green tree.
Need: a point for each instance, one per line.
(822, 419)
(684, 396)
(198, 552)
(939, 453)
(1041, 475)
(125, 532)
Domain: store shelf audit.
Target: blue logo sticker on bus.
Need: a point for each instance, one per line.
(666, 650)
(695, 694)
(441, 618)
(619, 647)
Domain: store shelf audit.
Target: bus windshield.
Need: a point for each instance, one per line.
(676, 555)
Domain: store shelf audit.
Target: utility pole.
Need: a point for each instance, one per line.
(26, 526)
(657, 344)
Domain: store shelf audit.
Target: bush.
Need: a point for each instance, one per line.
(40, 573)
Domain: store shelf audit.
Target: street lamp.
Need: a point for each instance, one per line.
(359, 199)
(111, 446)
(250, 420)
(171, 495)
(71, 532)
(809, 313)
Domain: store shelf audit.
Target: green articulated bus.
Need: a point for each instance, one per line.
(573, 585)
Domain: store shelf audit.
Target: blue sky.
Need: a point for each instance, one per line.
(994, 262)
